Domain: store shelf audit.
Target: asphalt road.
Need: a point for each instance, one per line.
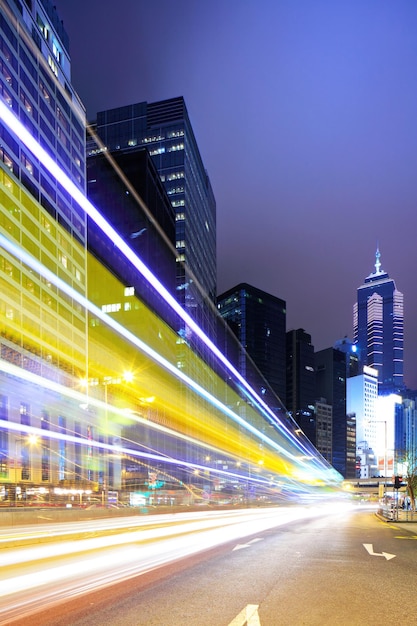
(339, 568)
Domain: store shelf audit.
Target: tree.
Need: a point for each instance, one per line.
(409, 463)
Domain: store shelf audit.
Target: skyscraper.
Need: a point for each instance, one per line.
(38, 214)
(43, 230)
(330, 367)
(150, 234)
(378, 324)
(300, 380)
(164, 128)
(258, 321)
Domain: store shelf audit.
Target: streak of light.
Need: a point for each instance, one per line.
(69, 568)
(15, 125)
(128, 451)
(155, 356)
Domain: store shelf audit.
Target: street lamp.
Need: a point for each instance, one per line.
(30, 440)
(103, 384)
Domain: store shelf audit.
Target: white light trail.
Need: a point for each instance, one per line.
(15, 125)
(141, 345)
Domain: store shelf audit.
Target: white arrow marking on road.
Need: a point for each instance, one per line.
(370, 550)
(247, 617)
(246, 545)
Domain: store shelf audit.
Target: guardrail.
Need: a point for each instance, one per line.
(397, 514)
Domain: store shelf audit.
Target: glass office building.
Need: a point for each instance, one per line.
(164, 128)
(258, 320)
(42, 330)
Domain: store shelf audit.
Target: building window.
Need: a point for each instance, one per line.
(111, 308)
(42, 27)
(53, 66)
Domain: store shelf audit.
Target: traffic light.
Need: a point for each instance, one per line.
(398, 482)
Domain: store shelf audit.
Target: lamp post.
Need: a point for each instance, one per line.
(103, 384)
(127, 377)
(31, 440)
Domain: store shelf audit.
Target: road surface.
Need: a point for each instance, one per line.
(311, 565)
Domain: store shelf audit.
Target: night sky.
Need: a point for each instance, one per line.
(305, 112)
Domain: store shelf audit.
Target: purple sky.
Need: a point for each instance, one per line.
(305, 112)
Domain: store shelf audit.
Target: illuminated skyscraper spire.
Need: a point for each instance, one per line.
(378, 325)
(377, 261)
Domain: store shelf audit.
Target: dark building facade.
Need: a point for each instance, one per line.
(330, 365)
(350, 350)
(164, 128)
(300, 380)
(258, 321)
(149, 230)
(378, 323)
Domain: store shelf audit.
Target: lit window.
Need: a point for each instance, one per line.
(56, 51)
(44, 91)
(153, 139)
(8, 162)
(26, 102)
(176, 147)
(179, 217)
(53, 66)
(42, 26)
(175, 133)
(174, 190)
(27, 164)
(111, 308)
(175, 175)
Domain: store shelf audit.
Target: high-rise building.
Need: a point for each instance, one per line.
(258, 320)
(330, 365)
(378, 424)
(324, 428)
(406, 435)
(42, 330)
(164, 128)
(378, 323)
(361, 401)
(137, 206)
(38, 214)
(350, 351)
(300, 380)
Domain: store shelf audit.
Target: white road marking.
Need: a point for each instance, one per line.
(247, 617)
(239, 546)
(370, 550)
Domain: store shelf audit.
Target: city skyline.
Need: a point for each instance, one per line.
(304, 114)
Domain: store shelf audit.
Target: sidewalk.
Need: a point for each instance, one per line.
(401, 524)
